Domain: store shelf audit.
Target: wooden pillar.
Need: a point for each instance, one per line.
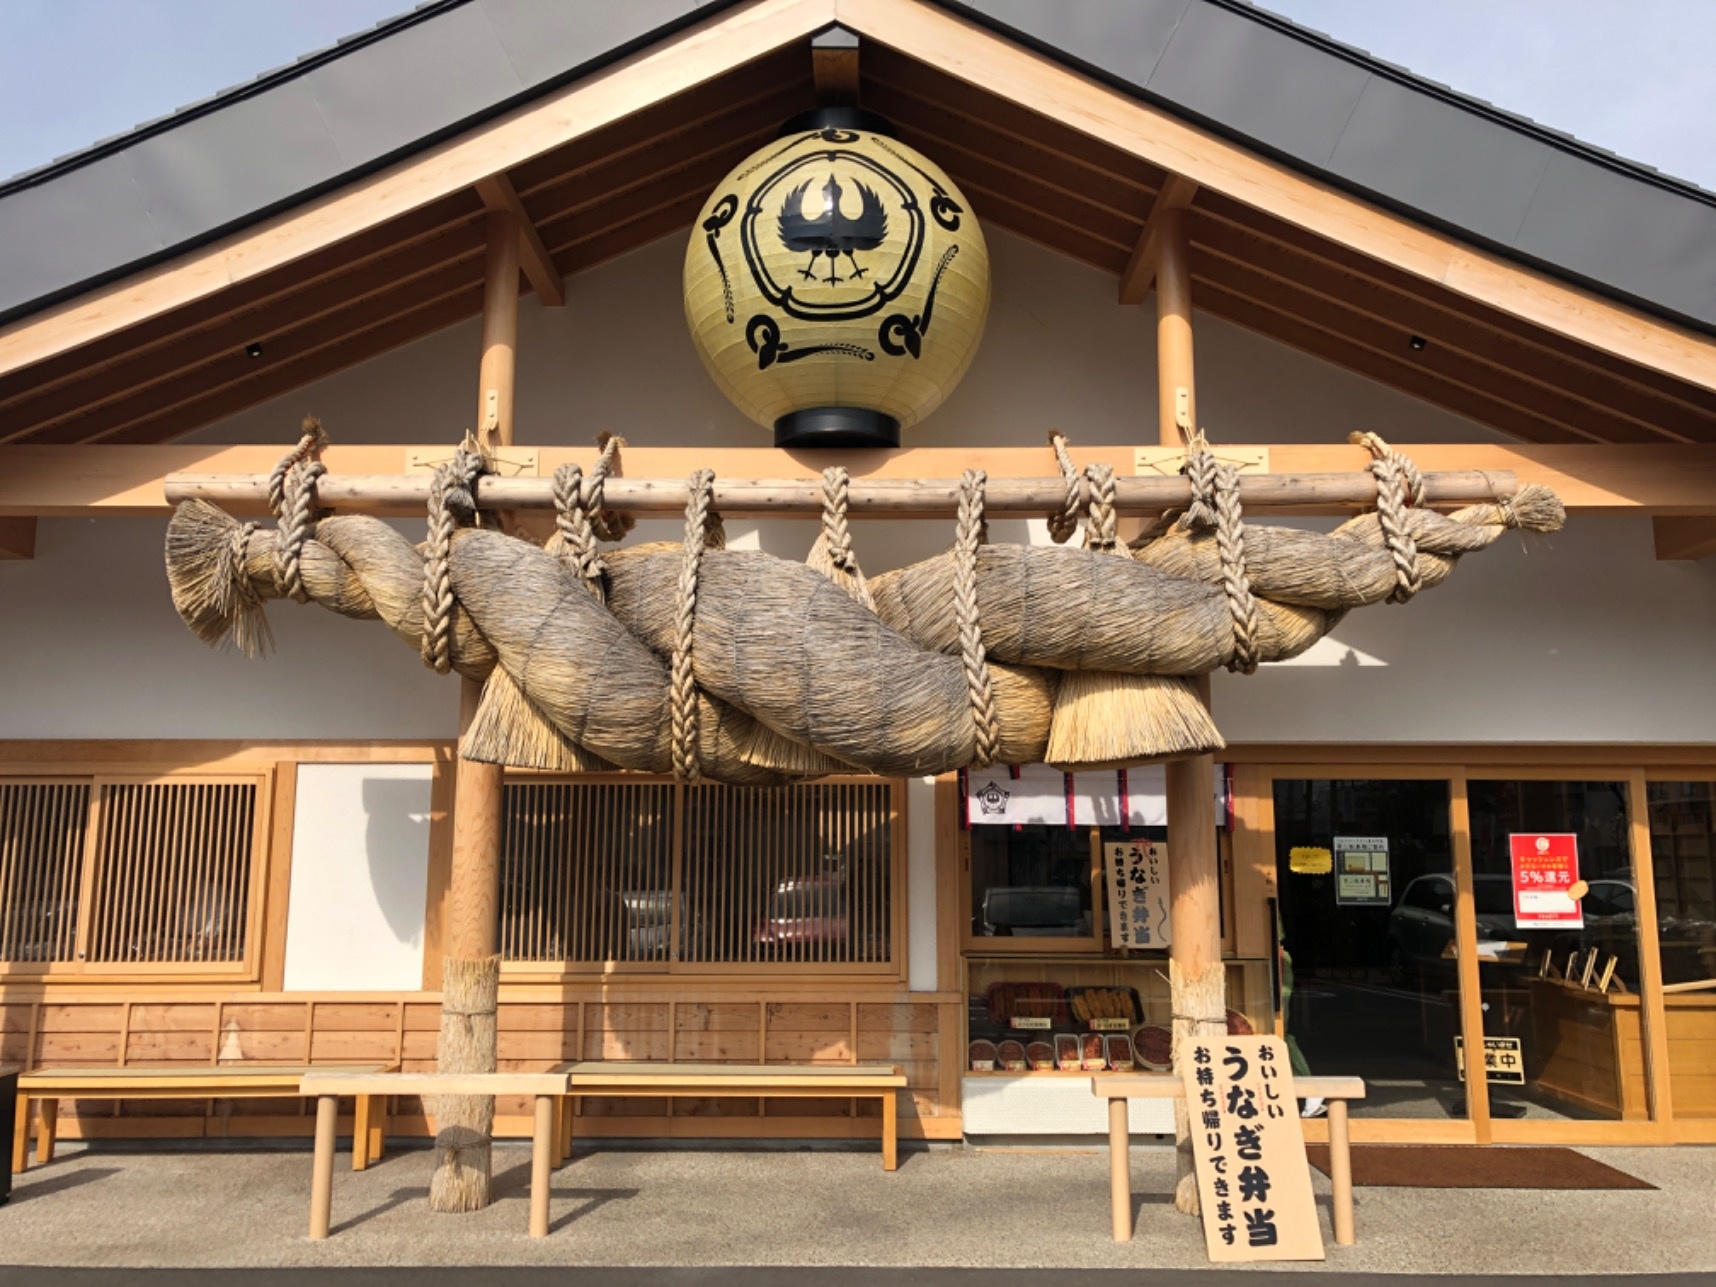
(1197, 975)
(470, 972)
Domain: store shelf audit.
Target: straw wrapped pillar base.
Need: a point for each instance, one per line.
(1200, 1014)
(465, 1123)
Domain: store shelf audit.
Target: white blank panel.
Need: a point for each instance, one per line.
(1051, 1106)
(360, 878)
(920, 885)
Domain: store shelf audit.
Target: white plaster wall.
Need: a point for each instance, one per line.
(920, 886)
(360, 859)
(1528, 642)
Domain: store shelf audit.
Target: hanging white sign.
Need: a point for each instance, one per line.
(1137, 893)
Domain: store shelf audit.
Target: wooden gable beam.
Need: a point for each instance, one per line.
(686, 59)
(501, 197)
(969, 52)
(834, 65)
(17, 538)
(1140, 271)
(1680, 538)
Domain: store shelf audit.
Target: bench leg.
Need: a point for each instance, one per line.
(378, 1128)
(891, 1131)
(1120, 1170)
(322, 1176)
(361, 1110)
(21, 1136)
(541, 1157)
(1341, 1173)
(48, 1130)
(566, 1123)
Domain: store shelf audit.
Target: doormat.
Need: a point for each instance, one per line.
(1475, 1166)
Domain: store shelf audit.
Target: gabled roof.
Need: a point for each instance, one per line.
(328, 211)
(1494, 178)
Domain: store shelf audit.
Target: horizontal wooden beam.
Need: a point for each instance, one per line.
(17, 538)
(1681, 538)
(88, 481)
(803, 497)
(1140, 271)
(497, 193)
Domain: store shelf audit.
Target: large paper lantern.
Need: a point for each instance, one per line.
(836, 283)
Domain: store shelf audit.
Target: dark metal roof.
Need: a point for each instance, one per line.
(1332, 111)
(1457, 162)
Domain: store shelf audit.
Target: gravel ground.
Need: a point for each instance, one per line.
(944, 1207)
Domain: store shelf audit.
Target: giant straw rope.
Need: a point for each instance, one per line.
(737, 666)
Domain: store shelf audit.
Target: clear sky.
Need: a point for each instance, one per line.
(1633, 76)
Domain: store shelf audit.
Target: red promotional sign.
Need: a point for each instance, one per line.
(1545, 872)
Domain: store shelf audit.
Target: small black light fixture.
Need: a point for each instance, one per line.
(255, 350)
(1417, 343)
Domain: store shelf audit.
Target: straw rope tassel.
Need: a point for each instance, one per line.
(968, 538)
(686, 732)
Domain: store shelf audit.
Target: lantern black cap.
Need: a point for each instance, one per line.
(838, 118)
(837, 427)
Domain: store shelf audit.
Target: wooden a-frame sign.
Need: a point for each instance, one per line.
(1254, 1183)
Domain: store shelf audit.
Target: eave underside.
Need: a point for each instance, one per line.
(645, 176)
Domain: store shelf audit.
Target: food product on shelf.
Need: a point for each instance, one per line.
(1106, 1006)
(1238, 1025)
(1012, 1056)
(1154, 1047)
(981, 1055)
(1040, 1055)
(1066, 1052)
(1091, 1051)
(1118, 1047)
(1011, 1002)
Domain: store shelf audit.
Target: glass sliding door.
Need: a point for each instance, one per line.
(1683, 862)
(1365, 874)
(1558, 947)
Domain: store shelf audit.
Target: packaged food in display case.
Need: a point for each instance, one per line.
(1028, 1006)
(981, 1056)
(1153, 1045)
(1066, 1052)
(1091, 1052)
(1011, 1055)
(1040, 1055)
(1106, 1009)
(1118, 1047)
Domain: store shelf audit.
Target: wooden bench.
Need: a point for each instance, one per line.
(1336, 1091)
(750, 1081)
(327, 1085)
(244, 1081)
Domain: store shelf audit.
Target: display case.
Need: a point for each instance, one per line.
(1054, 1014)
(1041, 1026)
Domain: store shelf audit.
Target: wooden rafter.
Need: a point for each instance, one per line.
(1140, 271)
(497, 193)
(1678, 538)
(17, 538)
(94, 481)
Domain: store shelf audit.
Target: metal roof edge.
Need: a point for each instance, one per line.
(1565, 142)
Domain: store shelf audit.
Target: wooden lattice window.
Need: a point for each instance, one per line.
(644, 876)
(586, 872)
(42, 827)
(105, 875)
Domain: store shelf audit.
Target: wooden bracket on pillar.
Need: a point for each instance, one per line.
(1680, 538)
(17, 538)
(834, 65)
(1135, 280)
(498, 193)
